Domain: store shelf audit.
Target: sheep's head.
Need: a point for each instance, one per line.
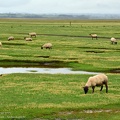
(24, 37)
(85, 89)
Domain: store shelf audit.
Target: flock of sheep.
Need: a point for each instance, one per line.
(97, 80)
(49, 45)
(32, 34)
(113, 40)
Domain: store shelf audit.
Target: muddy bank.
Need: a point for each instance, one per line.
(29, 63)
(115, 70)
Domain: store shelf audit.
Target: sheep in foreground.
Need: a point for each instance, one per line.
(28, 39)
(0, 44)
(10, 38)
(93, 36)
(113, 40)
(97, 80)
(47, 46)
(32, 34)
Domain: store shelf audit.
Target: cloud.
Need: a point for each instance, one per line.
(74, 6)
(60, 6)
(12, 3)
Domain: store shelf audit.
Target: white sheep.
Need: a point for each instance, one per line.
(32, 34)
(97, 80)
(93, 36)
(47, 46)
(11, 38)
(113, 40)
(0, 44)
(28, 39)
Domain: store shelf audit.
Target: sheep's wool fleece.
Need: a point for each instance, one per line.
(113, 39)
(0, 44)
(96, 80)
(47, 45)
(94, 35)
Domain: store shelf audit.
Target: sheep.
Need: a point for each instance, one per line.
(47, 46)
(97, 80)
(113, 40)
(0, 44)
(32, 34)
(10, 38)
(28, 39)
(93, 36)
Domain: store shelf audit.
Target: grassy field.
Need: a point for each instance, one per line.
(46, 96)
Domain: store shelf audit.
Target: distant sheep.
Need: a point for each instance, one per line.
(97, 80)
(0, 44)
(93, 36)
(32, 34)
(11, 38)
(113, 40)
(47, 46)
(28, 39)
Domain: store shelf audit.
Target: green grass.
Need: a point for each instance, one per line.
(45, 96)
(79, 50)
(57, 96)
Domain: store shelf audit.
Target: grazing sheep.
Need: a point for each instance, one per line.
(113, 40)
(93, 36)
(11, 38)
(28, 39)
(97, 80)
(0, 44)
(32, 34)
(47, 46)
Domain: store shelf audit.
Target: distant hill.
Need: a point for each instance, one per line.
(60, 16)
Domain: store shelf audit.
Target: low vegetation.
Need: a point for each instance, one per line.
(57, 96)
(46, 96)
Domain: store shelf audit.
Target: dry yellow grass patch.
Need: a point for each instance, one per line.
(58, 88)
(62, 105)
(10, 84)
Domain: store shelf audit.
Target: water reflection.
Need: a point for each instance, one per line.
(42, 70)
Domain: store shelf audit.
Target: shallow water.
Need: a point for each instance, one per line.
(42, 70)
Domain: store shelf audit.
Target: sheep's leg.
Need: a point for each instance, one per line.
(93, 87)
(106, 88)
(101, 88)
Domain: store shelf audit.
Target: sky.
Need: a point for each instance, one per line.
(60, 6)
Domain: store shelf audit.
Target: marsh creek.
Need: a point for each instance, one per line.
(10, 70)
